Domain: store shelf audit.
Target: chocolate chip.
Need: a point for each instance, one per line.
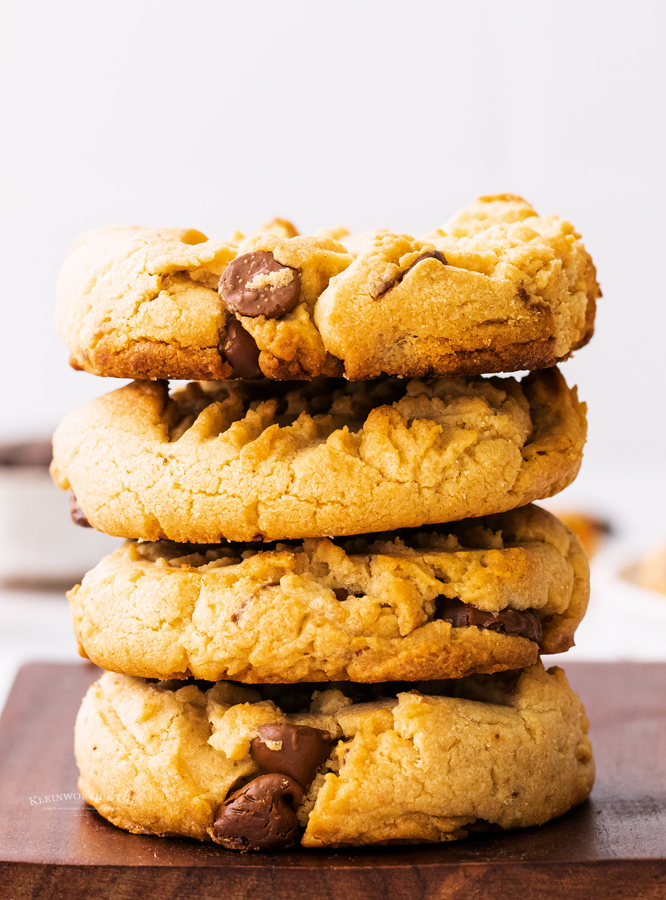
(430, 254)
(75, 511)
(261, 815)
(241, 351)
(303, 750)
(524, 622)
(256, 284)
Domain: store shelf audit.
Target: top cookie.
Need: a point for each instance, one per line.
(498, 289)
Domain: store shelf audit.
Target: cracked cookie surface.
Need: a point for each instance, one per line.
(246, 461)
(363, 609)
(420, 762)
(143, 303)
(497, 289)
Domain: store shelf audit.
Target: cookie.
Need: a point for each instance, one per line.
(650, 572)
(349, 765)
(144, 303)
(498, 289)
(482, 595)
(266, 461)
(139, 302)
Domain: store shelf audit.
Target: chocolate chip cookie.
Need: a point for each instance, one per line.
(482, 595)
(247, 461)
(346, 765)
(499, 288)
(169, 303)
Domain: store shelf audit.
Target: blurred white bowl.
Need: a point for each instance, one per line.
(39, 544)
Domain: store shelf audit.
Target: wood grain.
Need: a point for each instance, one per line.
(612, 847)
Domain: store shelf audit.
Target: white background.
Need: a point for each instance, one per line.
(219, 115)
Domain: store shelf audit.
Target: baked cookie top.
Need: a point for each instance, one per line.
(480, 595)
(352, 764)
(498, 288)
(245, 461)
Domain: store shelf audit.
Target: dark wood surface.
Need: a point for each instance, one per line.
(612, 847)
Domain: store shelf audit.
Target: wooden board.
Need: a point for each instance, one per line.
(612, 847)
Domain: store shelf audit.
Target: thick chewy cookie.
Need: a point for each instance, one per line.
(273, 461)
(481, 595)
(499, 288)
(348, 765)
(144, 303)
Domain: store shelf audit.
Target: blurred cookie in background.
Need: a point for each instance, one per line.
(650, 572)
(592, 531)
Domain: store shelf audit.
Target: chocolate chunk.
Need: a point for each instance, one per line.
(256, 284)
(241, 351)
(261, 815)
(430, 254)
(75, 511)
(303, 750)
(525, 623)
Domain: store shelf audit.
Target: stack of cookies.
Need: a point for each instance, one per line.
(325, 624)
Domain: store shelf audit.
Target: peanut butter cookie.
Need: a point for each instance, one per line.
(271, 461)
(497, 289)
(482, 595)
(349, 765)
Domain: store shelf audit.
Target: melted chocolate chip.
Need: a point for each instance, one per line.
(75, 511)
(256, 284)
(241, 351)
(525, 622)
(430, 254)
(303, 750)
(261, 815)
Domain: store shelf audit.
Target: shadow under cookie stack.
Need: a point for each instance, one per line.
(325, 626)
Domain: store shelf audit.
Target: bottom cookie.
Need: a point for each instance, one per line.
(350, 765)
